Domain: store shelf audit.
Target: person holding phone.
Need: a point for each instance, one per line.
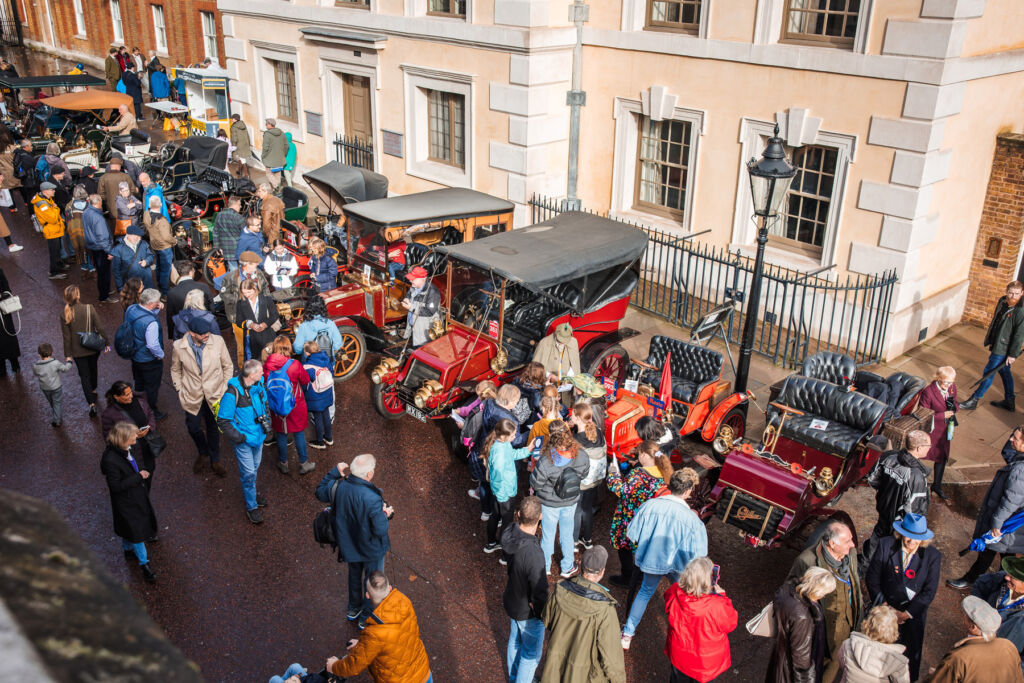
(124, 405)
(134, 518)
(700, 619)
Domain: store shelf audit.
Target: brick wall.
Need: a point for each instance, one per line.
(182, 18)
(1001, 218)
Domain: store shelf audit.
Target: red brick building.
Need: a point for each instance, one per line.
(180, 31)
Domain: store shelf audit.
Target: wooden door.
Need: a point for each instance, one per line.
(357, 107)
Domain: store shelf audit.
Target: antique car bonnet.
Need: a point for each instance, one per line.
(205, 151)
(424, 207)
(570, 246)
(338, 184)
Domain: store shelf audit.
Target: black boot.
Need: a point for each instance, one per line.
(969, 404)
(147, 573)
(1008, 403)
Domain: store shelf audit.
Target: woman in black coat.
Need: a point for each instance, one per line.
(134, 518)
(257, 315)
(799, 653)
(9, 328)
(905, 564)
(124, 405)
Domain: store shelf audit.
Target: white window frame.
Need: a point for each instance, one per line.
(160, 28)
(79, 19)
(331, 70)
(754, 134)
(768, 26)
(634, 18)
(419, 8)
(266, 88)
(116, 21)
(628, 116)
(209, 39)
(418, 81)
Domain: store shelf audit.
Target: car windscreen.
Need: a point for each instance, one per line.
(474, 299)
(367, 246)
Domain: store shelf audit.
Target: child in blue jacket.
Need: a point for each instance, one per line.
(319, 403)
(500, 457)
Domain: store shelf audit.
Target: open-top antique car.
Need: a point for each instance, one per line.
(178, 163)
(822, 436)
(367, 305)
(506, 292)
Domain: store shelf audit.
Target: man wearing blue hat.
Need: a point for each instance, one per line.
(200, 370)
(904, 574)
(131, 257)
(1005, 592)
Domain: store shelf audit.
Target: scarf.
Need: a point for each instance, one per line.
(840, 568)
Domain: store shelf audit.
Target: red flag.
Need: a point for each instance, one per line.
(665, 388)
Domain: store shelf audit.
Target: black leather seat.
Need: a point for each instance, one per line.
(693, 367)
(906, 387)
(209, 185)
(136, 137)
(535, 317)
(293, 197)
(831, 367)
(848, 416)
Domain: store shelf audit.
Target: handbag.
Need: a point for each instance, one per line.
(10, 304)
(156, 442)
(121, 226)
(763, 624)
(90, 339)
(5, 198)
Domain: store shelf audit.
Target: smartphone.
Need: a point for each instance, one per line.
(144, 429)
(715, 569)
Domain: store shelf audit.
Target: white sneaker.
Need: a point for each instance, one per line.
(474, 493)
(15, 247)
(484, 516)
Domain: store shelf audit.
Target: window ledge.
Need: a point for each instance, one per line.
(452, 176)
(80, 36)
(652, 220)
(780, 257)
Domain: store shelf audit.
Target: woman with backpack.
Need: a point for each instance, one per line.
(317, 326)
(319, 393)
(499, 460)
(73, 222)
(498, 408)
(591, 440)
(257, 315)
(285, 379)
(556, 481)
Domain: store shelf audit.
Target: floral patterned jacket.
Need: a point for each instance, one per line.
(639, 486)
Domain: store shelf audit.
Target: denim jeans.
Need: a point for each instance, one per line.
(300, 446)
(561, 520)
(525, 643)
(643, 596)
(249, 458)
(996, 361)
(164, 257)
(293, 670)
(54, 398)
(358, 572)
(321, 424)
(393, 268)
(138, 548)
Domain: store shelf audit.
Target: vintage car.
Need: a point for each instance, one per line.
(506, 292)
(367, 305)
(822, 436)
(338, 184)
(178, 163)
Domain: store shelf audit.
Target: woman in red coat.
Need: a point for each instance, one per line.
(700, 618)
(940, 396)
(295, 422)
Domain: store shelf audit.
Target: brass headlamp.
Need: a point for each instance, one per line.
(384, 368)
(429, 389)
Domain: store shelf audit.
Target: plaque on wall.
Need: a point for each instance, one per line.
(391, 141)
(314, 123)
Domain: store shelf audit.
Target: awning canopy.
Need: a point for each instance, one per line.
(90, 100)
(566, 247)
(340, 183)
(55, 81)
(424, 207)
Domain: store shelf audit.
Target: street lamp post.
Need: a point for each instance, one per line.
(769, 184)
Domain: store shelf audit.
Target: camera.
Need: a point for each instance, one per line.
(264, 421)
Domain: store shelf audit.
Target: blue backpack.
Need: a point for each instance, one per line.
(280, 392)
(42, 170)
(124, 338)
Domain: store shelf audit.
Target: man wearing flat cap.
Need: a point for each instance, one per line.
(982, 655)
(559, 353)
(1005, 592)
(131, 257)
(231, 290)
(200, 370)
(52, 222)
(423, 302)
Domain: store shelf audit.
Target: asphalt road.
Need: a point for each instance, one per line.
(243, 601)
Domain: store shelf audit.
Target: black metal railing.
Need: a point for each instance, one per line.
(354, 151)
(800, 313)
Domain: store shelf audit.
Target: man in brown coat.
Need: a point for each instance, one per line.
(981, 656)
(272, 213)
(111, 69)
(107, 187)
(161, 241)
(200, 370)
(844, 607)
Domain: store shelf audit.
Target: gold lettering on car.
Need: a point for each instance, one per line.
(745, 513)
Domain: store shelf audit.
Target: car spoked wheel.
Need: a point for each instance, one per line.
(731, 429)
(349, 358)
(611, 363)
(387, 402)
(213, 265)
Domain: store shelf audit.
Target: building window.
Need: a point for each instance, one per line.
(822, 21)
(115, 19)
(79, 18)
(209, 34)
(358, 4)
(804, 220)
(284, 89)
(662, 166)
(447, 8)
(159, 28)
(678, 15)
(447, 127)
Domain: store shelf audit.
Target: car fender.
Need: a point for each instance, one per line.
(374, 336)
(602, 342)
(714, 419)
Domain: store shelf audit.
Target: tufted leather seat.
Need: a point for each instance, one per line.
(135, 138)
(693, 367)
(907, 387)
(831, 367)
(850, 415)
(210, 185)
(535, 316)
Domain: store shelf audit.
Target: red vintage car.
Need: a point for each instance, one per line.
(505, 293)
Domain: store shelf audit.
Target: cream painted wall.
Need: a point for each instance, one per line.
(606, 14)
(883, 11)
(1000, 28)
(732, 20)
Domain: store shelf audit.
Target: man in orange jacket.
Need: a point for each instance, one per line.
(51, 221)
(390, 645)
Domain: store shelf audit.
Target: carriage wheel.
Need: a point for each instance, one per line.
(349, 358)
(386, 401)
(611, 363)
(213, 265)
(306, 285)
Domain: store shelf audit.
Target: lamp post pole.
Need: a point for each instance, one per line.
(753, 301)
(576, 98)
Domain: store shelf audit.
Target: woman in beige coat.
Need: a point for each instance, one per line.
(872, 655)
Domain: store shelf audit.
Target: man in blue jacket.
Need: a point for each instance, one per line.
(148, 357)
(151, 189)
(251, 238)
(1005, 591)
(244, 419)
(361, 524)
(97, 241)
(131, 257)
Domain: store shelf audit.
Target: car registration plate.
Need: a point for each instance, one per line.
(417, 413)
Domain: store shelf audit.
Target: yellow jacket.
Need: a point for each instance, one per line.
(49, 216)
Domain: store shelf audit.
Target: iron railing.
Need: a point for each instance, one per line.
(10, 24)
(354, 151)
(800, 313)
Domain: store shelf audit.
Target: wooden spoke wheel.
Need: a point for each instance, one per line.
(387, 402)
(213, 265)
(349, 358)
(611, 363)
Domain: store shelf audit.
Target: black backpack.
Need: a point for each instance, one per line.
(568, 484)
(324, 532)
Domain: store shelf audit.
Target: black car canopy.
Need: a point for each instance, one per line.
(54, 81)
(424, 207)
(569, 246)
(339, 184)
(206, 151)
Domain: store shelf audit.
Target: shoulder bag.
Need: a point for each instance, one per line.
(91, 339)
(10, 305)
(764, 623)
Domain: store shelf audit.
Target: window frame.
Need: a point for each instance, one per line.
(791, 244)
(639, 204)
(670, 26)
(116, 21)
(449, 100)
(451, 14)
(353, 4)
(79, 17)
(159, 28)
(417, 81)
(209, 38)
(821, 39)
(294, 103)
